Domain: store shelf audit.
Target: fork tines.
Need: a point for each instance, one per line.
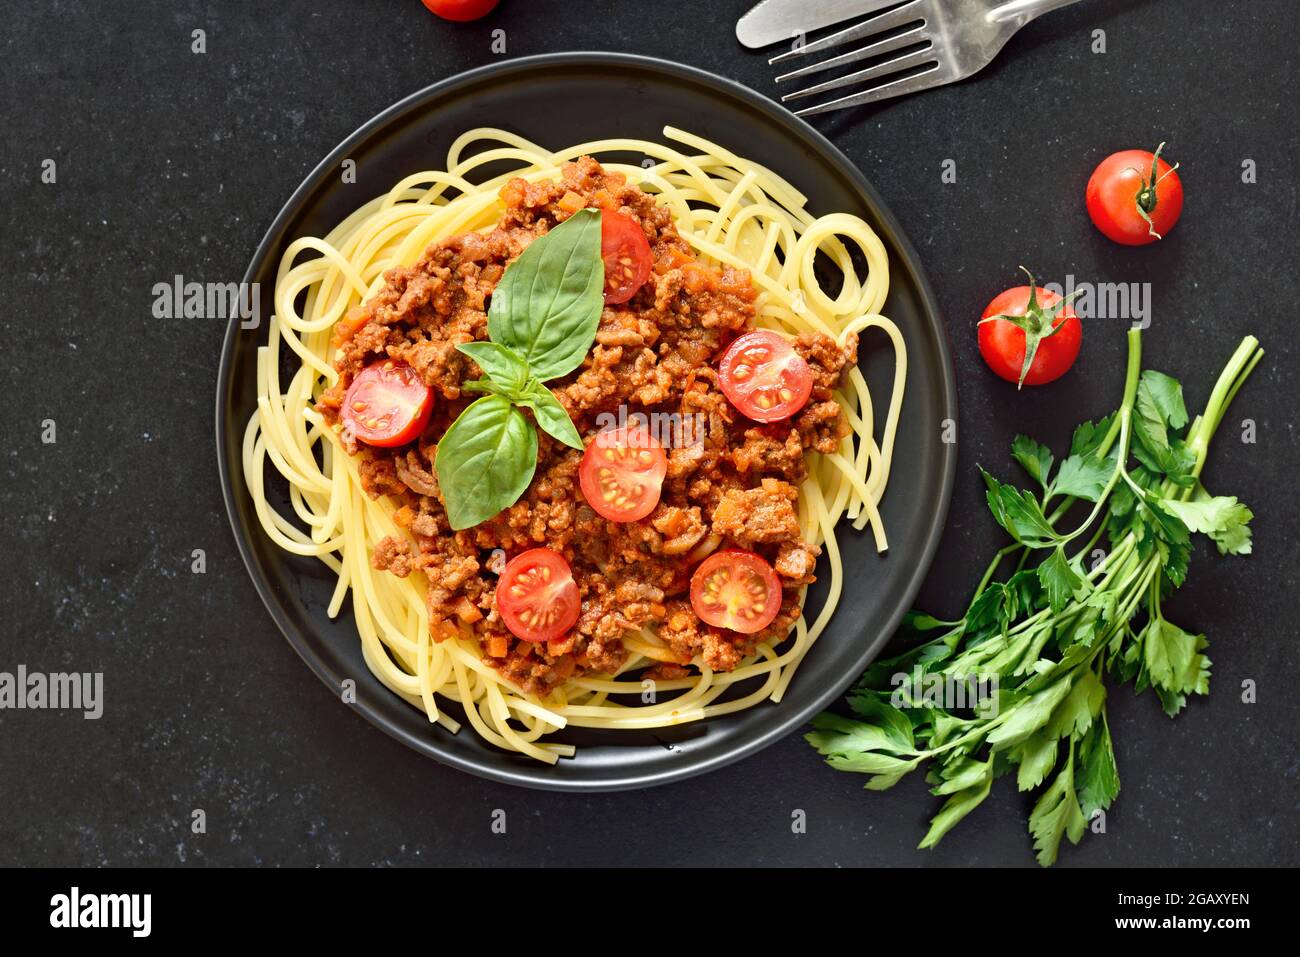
(909, 15)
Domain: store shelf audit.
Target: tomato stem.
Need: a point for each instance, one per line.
(1146, 199)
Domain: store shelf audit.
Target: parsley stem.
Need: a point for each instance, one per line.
(1230, 380)
(1101, 528)
(993, 567)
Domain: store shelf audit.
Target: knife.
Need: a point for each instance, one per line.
(776, 21)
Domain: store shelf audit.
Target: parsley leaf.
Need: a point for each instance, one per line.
(1173, 658)
(1057, 814)
(1028, 715)
(1099, 778)
(1019, 513)
(1166, 395)
(1221, 517)
(1158, 408)
(1036, 756)
(1088, 437)
(1037, 459)
(1084, 476)
(954, 809)
(1060, 581)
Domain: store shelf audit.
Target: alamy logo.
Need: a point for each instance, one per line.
(670, 430)
(22, 690)
(952, 692)
(180, 299)
(75, 909)
(1106, 300)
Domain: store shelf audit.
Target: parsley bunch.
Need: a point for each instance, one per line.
(1067, 617)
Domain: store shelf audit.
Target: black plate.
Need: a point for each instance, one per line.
(558, 100)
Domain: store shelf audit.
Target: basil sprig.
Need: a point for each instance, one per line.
(541, 324)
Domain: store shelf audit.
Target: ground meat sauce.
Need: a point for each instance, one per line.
(735, 484)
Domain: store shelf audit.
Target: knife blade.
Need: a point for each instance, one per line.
(776, 21)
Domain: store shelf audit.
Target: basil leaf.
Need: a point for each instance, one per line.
(485, 461)
(507, 370)
(484, 385)
(547, 305)
(550, 415)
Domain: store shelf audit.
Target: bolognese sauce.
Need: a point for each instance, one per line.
(657, 348)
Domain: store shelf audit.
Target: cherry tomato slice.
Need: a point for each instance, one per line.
(460, 10)
(1002, 344)
(387, 404)
(763, 376)
(537, 596)
(626, 252)
(737, 590)
(622, 473)
(1122, 187)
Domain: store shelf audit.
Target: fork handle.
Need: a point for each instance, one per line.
(1023, 11)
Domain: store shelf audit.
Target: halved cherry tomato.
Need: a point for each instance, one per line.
(460, 10)
(537, 596)
(736, 589)
(1053, 330)
(626, 252)
(622, 473)
(1134, 197)
(763, 376)
(387, 404)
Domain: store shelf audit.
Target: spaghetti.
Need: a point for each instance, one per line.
(732, 213)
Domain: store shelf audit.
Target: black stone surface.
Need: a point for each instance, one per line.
(171, 162)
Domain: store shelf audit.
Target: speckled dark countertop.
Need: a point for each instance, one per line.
(170, 162)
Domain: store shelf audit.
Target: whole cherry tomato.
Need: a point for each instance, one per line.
(1029, 335)
(1135, 197)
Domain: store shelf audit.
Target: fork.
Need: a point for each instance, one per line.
(943, 40)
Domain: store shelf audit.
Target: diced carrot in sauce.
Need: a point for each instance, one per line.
(466, 610)
(698, 278)
(560, 646)
(670, 260)
(350, 324)
(571, 202)
(497, 646)
(512, 194)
